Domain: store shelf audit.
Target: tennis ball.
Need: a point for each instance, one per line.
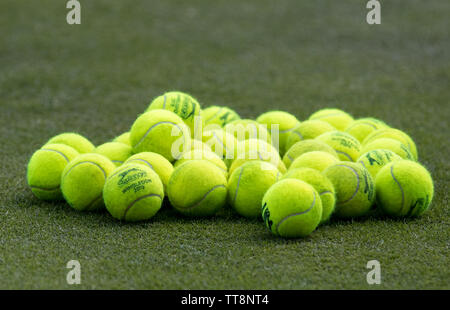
(221, 143)
(83, 179)
(197, 188)
(155, 161)
(305, 146)
(337, 118)
(45, 168)
(203, 155)
(160, 131)
(355, 191)
(404, 188)
(77, 141)
(395, 134)
(317, 160)
(249, 156)
(321, 184)
(389, 144)
(307, 130)
(286, 123)
(133, 192)
(346, 146)
(123, 138)
(374, 160)
(195, 144)
(244, 129)
(116, 151)
(291, 208)
(248, 184)
(219, 115)
(362, 127)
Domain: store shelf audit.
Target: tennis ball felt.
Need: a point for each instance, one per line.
(203, 155)
(346, 146)
(374, 160)
(286, 123)
(155, 161)
(291, 208)
(389, 144)
(317, 160)
(160, 131)
(83, 179)
(248, 184)
(133, 192)
(45, 168)
(249, 156)
(77, 141)
(221, 143)
(244, 129)
(307, 130)
(354, 186)
(182, 104)
(321, 184)
(305, 146)
(123, 138)
(116, 151)
(404, 188)
(337, 118)
(219, 115)
(395, 134)
(197, 188)
(362, 127)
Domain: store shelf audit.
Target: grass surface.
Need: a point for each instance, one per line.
(298, 56)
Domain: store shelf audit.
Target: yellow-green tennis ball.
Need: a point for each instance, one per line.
(404, 188)
(395, 134)
(221, 143)
(116, 151)
(83, 179)
(346, 146)
(307, 130)
(244, 129)
(389, 144)
(123, 138)
(197, 188)
(316, 160)
(354, 186)
(291, 208)
(305, 146)
(286, 123)
(362, 127)
(248, 184)
(45, 168)
(77, 141)
(160, 131)
(182, 104)
(219, 115)
(374, 160)
(321, 184)
(133, 192)
(250, 156)
(155, 161)
(203, 155)
(336, 117)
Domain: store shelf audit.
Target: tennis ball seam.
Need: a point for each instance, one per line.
(299, 135)
(143, 160)
(157, 124)
(60, 153)
(164, 102)
(295, 214)
(213, 116)
(400, 186)
(361, 123)
(86, 162)
(357, 185)
(345, 154)
(45, 189)
(237, 185)
(221, 142)
(204, 196)
(89, 206)
(136, 200)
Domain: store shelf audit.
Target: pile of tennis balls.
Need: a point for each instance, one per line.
(330, 165)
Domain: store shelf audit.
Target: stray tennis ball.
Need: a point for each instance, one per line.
(219, 115)
(354, 186)
(182, 104)
(155, 161)
(133, 192)
(374, 160)
(321, 184)
(116, 151)
(316, 160)
(286, 123)
(248, 184)
(389, 144)
(203, 155)
(307, 130)
(291, 208)
(123, 138)
(77, 141)
(221, 143)
(404, 188)
(83, 179)
(306, 146)
(362, 127)
(337, 118)
(395, 134)
(160, 131)
(244, 129)
(197, 188)
(45, 168)
(346, 146)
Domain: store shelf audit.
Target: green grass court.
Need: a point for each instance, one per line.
(253, 56)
